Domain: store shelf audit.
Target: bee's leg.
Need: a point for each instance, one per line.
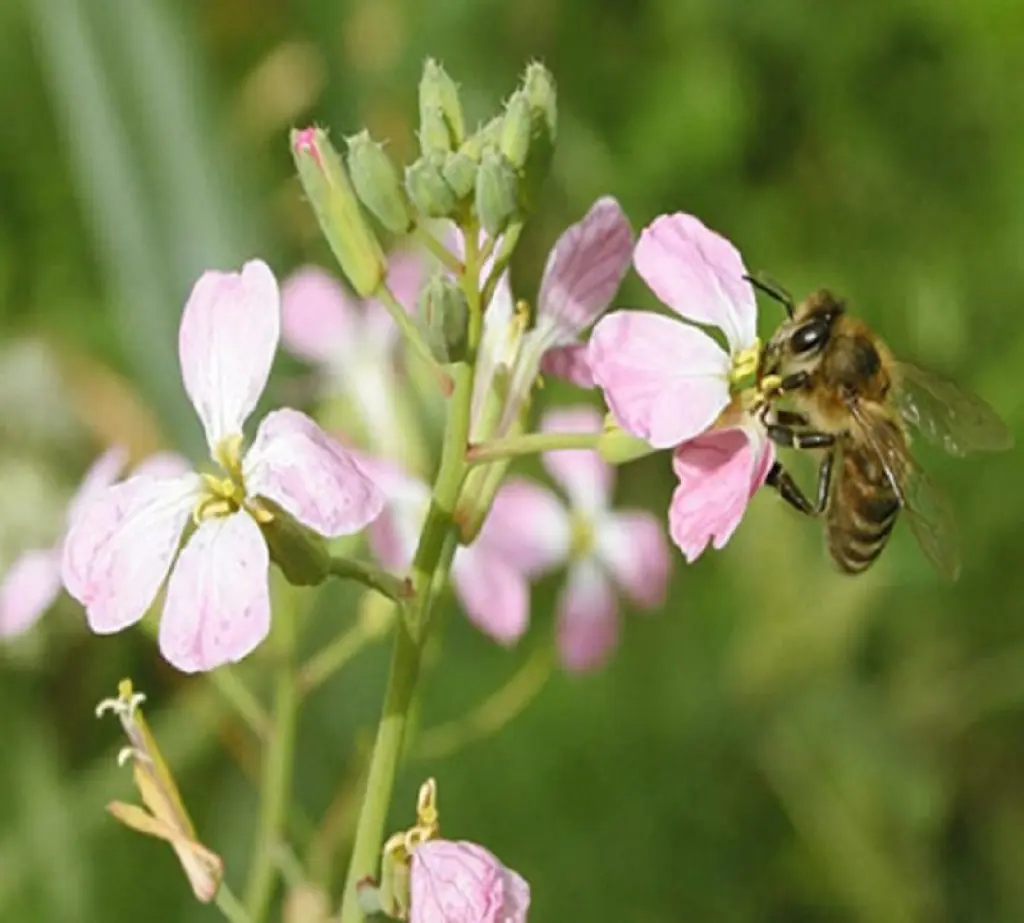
(793, 438)
(782, 481)
(773, 386)
(825, 481)
(773, 290)
(790, 418)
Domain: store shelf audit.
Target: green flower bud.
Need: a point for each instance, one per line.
(459, 172)
(301, 554)
(444, 315)
(427, 189)
(329, 191)
(441, 124)
(497, 191)
(617, 447)
(377, 183)
(539, 87)
(516, 129)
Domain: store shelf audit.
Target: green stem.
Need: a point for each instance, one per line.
(389, 585)
(231, 906)
(430, 568)
(276, 777)
(447, 259)
(328, 660)
(529, 444)
(411, 334)
(230, 685)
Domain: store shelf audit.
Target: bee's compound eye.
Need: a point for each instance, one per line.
(810, 337)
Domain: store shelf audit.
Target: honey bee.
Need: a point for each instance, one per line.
(854, 401)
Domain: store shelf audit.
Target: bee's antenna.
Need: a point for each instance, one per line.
(773, 290)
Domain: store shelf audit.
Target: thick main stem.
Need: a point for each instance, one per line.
(430, 566)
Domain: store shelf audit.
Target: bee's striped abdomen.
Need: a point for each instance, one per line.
(862, 511)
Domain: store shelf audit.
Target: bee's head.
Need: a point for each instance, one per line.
(800, 340)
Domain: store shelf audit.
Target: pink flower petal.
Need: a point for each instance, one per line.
(585, 268)
(496, 597)
(665, 381)
(569, 363)
(633, 546)
(461, 882)
(529, 526)
(586, 478)
(27, 590)
(718, 474)
(103, 472)
(297, 465)
(699, 274)
(319, 319)
(120, 547)
(588, 618)
(228, 337)
(163, 465)
(218, 598)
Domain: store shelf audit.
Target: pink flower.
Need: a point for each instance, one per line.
(123, 544)
(495, 595)
(604, 548)
(353, 343)
(671, 384)
(460, 882)
(32, 582)
(583, 272)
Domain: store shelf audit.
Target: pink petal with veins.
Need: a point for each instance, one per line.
(699, 274)
(297, 465)
(228, 337)
(718, 474)
(665, 381)
(569, 363)
(120, 547)
(218, 598)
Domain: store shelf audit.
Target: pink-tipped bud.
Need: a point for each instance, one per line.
(461, 882)
(329, 190)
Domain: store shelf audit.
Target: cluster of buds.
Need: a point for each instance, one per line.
(488, 179)
(427, 879)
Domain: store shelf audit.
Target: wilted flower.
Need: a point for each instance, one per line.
(603, 547)
(672, 385)
(584, 270)
(494, 594)
(461, 882)
(32, 582)
(164, 815)
(121, 547)
(353, 344)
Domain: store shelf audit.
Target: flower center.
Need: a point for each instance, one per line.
(744, 364)
(582, 537)
(222, 496)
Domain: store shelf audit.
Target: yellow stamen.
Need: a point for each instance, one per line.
(581, 543)
(745, 362)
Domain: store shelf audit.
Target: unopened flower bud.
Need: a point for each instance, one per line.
(516, 128)
(330, 192)
(378, 184)
(441, 124)
(427, 188)
(497, 187)
(539, 87)
(444, 313)
(459, 172)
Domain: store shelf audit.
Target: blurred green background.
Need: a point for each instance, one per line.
(780, 743)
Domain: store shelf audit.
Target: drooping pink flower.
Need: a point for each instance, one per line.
(605, 548)
(352, 343)
(461, 882)
(122, 545)
(671, 384)
(583, 272)
(32, 582)
(494, 594)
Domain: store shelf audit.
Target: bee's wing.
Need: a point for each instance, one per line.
(927, 510)
(946, 414)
